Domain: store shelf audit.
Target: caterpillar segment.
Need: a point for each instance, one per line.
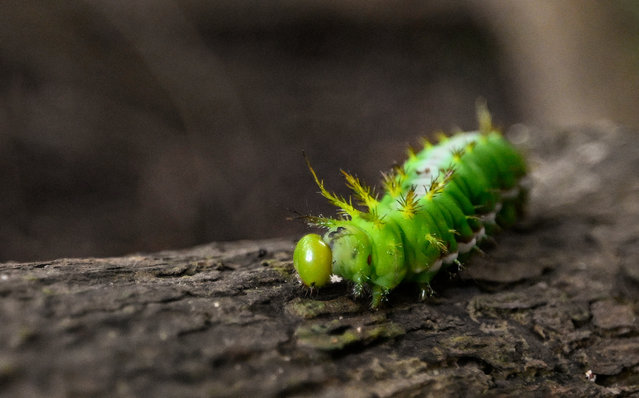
(436, 208)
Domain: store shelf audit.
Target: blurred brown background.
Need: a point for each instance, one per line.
(156, 124)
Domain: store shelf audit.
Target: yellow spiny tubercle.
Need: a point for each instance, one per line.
(409, 203)
(425, 143)
(410, 152)
(484, 117)
(364, 193)
(335, 200)
(437, 242)
(393, 181)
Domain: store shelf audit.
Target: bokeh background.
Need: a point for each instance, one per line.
(158, 124)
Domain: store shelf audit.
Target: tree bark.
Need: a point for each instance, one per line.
(554, 298)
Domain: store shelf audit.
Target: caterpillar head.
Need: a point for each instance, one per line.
(312, 259)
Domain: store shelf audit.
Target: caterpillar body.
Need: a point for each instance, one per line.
(436, 208)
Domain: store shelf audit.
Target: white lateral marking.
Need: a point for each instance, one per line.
(466, 247)
(450, 258)
(488, 218)
(510, 194)
(436, 266)
(480, 234)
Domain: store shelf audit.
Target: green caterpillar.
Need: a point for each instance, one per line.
(435, 210)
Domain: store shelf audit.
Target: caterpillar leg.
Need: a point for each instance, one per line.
(508, 215)
(425, 291)
(479, 250)
(358, 289)
(379, 294)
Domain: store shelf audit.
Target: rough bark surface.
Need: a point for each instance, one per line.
(552, 299)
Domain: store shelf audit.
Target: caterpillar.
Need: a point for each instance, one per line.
(435, 210)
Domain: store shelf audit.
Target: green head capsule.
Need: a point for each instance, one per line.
(313, 260)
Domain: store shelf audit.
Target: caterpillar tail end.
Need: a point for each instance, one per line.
(313, 260)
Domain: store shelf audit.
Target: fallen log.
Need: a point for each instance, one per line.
(550, 309)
